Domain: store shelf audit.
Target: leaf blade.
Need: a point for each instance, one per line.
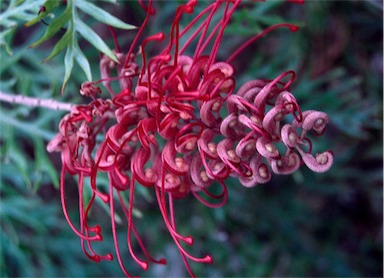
(94, 39)
(83, 62)
(68, 66)
(55, 26)
(49, 5)
(102, 15)
(60, 45)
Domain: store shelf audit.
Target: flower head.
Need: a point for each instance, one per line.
(165, 129)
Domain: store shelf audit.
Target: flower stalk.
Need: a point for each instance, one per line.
(35, 102)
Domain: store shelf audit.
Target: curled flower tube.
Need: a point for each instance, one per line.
(246, 147)
(198, 174)
(206, 146)
(175, 164)
(286, 164)
(147, 176)
(315, 120)
(208, 111)
(259, 174)
(227, 154)
(187, 137)
(231, 127)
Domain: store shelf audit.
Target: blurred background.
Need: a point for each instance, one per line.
(306, 224)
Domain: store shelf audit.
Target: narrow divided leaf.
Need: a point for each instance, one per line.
(11, 14)
(48, 5)
(43, 163)
(60, 45)
(55, 26)
(74, 53)
(3, 40)
(82, 61)
(94, 39)
(24, 10)
(102, 15)
(69, 41)
(68, 64)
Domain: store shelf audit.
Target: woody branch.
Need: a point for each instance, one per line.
(35, 102)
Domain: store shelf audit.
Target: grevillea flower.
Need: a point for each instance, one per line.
(180, 126)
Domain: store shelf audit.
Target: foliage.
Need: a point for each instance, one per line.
(10, 16)
(74, 25)
(305, 225)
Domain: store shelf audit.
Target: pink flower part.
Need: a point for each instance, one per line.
(168, 127)
(226, 152)
(253, 86)
(266, 148)
(147, 176)
(170, 182)
(223, 67)
(118, 138)
(185, 62)
(197, 71)
(130, 114)
(289, 136)
(288, 102)
(56, 144)
(164, 129)
(270, 90)
(105, 157)
(238, 104)
(246, 148)
(315, 120)
(208, 111)
(217, 170)
(260, 173)
(198, 174)
(231, 128)
(145, 132)
(187, 137)
(119, 180)
(175, 164)
(206, 145)
(254, 124)
(89, 89)
(286, 164)
(272, 119)
(320, 163)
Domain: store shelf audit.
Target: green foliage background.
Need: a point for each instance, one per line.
(301, 225)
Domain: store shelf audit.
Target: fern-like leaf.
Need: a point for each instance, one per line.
(15, 11)
(75, 26)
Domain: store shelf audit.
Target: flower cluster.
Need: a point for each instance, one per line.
(178, 126)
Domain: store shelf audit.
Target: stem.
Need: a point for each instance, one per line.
(36, 102)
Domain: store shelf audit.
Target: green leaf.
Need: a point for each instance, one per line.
(68, 64)
(10, 17)
(25, 11)
(60, 45)
(3, 40)
(43, 163)
(68, 41)
(82, 61)
(74, 52)
(102, 15)
(94, 39)
(49, 5)
(55, 26)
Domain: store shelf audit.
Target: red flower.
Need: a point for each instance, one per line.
(161, 130)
